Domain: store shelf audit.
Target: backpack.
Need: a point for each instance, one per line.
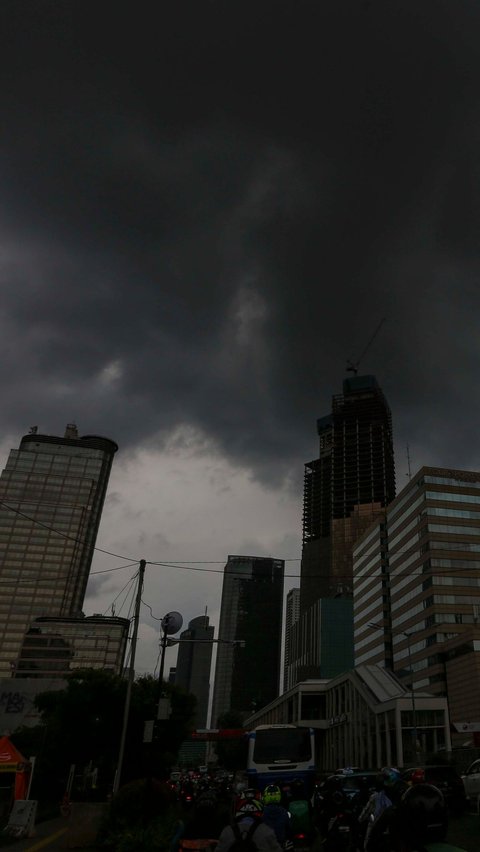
(300, 815)
(244, 842)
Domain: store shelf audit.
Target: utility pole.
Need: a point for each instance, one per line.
(131, 676)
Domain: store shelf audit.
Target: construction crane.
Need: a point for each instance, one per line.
(352, 366)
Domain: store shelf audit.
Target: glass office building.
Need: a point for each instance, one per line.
(247, 672)
(52, 492)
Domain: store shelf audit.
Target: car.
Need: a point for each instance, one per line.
(471, 781)
(448, 781)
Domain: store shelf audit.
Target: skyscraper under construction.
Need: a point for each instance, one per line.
(345, 488)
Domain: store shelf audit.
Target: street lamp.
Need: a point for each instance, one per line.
(412, 686)
(171, 623)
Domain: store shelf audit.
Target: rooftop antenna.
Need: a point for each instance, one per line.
(352, 366)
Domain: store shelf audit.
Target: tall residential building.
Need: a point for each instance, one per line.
(425, 559)
(345, 489)
(52, 492)
(247, 673)
(193, 664)
(292, 613)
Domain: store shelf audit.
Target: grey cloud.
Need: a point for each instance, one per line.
(205, 215)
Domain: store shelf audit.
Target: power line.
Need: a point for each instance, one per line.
(63, 535)
(129, 582)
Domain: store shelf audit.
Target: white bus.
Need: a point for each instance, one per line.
(280, 754)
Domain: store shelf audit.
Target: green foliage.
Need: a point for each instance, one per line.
(142, 816)
(82, 725)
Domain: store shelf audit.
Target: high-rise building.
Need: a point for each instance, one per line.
(355, 468)
(52, 492)
(417, 589)
(193, 664)
(247, 673)
(345, 489)
(292, 613)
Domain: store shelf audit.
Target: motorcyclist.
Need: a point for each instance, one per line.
(377, 803)
(203, 828)
(421, 818)
(275, 815)
(249, 813)
(379, 809)
(301, 811)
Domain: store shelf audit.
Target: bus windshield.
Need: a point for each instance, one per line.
(288, 745)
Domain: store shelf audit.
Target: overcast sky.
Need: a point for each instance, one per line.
(207, 207)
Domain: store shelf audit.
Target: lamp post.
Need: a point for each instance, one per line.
(412, 686)
(171, 623)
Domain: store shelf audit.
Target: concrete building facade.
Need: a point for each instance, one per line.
(292, 614)
(55, 647)
(426, 563)
(362, 718)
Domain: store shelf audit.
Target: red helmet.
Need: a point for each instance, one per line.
(418, 776)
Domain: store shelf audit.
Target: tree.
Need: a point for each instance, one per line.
(82, 725)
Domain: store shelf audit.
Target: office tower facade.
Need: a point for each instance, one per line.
(247, 672)
(432, 622)
(345, 489)
(292, 613)
(371, 595)
(323, 639)
(55, 647)
(194, 663)
(52, 492)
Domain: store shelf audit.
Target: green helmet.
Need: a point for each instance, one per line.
(272, 795)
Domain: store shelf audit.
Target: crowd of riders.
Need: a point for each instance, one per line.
(388, 815)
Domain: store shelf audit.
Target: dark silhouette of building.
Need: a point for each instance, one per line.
(247, 673)
(355, 468)
(345, 489)
(194, 663)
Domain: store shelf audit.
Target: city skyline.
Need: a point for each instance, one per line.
(206, 215)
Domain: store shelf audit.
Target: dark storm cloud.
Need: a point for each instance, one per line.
(208, 207)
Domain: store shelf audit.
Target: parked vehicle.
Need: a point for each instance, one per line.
(471, 781)
(448, 781)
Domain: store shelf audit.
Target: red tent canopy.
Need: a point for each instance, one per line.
(11, 760)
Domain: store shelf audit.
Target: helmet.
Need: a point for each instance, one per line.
(250, 793)
(423, 814)
(418, 776)
(206, 800)
(272, 795)
(390, 776)
(248, 806)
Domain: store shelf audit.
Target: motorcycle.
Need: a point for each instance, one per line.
(303, 831)
(342, 829)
